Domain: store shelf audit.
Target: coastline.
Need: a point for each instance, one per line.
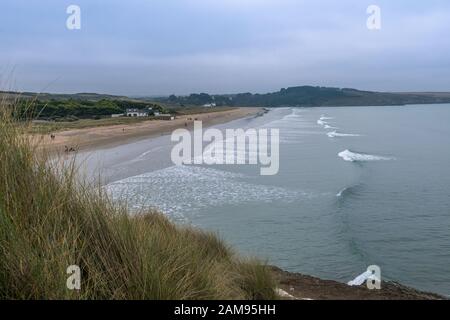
(297, 286)
(108, 136)
(292, 286)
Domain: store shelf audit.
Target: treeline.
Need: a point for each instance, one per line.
(310, 96)
(199, 99)
(72, 109)
(294, 96)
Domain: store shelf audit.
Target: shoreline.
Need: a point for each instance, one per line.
(297, 286)
(109, 136)
(291, 285)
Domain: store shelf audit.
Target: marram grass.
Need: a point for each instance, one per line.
(50, 220)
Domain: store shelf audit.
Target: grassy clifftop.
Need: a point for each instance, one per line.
(49, 221)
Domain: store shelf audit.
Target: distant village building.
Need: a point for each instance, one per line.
(209, 105)
(137, 112)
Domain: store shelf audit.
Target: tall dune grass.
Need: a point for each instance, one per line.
(49, 221)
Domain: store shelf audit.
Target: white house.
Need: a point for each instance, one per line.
(137, 113)
(210, 105)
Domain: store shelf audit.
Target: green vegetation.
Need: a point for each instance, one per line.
(198, 100)
(309, 96)
(49, 221)
(72, 110)
(56, 96)
(69, 107)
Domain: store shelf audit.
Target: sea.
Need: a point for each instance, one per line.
(356, 186)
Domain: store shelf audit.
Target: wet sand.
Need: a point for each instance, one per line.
(109, 136)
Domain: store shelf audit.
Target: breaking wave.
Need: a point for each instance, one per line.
(348, 155)
(322, 121)
(293, 127)
(353, 190)
(335, 134)
(342, 192)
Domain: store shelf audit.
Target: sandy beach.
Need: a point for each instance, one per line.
(108, 136)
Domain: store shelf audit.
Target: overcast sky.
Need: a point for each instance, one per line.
(152, 47)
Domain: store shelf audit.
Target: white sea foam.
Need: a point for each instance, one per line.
(330, 127)
(321, 122)
(183, 190)
(340, 193)
(325, 118)
(293, 127)
(348, 155)
(335, 134)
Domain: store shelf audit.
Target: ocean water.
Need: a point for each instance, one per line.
(357, 186)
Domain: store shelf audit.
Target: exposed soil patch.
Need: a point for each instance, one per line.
(306, 287)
